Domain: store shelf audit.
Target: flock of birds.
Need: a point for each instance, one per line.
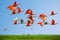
(29, 12)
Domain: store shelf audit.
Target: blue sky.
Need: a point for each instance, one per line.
(38, 6)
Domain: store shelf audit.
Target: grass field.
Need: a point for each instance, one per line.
(29, 37)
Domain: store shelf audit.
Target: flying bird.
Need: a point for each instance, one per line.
(28, 23)
(40, 23)
(52, 13)
(14, 8)
(19, 10)
(53, 22)
(15, 21)
(42, 16)
(29, 11)
(43, 19)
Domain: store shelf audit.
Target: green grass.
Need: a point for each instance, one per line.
(29, 37)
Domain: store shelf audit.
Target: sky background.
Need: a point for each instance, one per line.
(38, 7)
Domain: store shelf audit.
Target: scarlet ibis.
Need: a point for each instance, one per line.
(29, 11)
(15, 21)
(52, 22)
(52, 13)
(28, 23)
(40, 23)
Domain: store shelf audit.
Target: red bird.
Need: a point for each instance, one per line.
(42, 16)
(52, 22)
(13, 12)
(15, 21)
(13, 9)
(30, 18)
(52, 13)
(40, 23)
(29, 11)
(43, 19)
(19, 10)
(28, 23)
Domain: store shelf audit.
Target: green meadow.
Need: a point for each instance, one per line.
(30, 37)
